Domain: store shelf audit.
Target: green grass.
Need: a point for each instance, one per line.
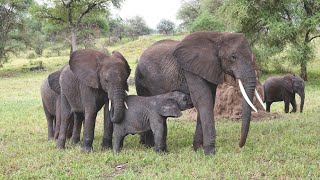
(288, 147)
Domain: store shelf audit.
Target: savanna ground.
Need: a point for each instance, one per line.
(284, 148)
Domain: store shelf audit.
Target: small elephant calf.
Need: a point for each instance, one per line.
(145, 113)
(50, 95)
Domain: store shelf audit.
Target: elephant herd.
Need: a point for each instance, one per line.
(171, 76)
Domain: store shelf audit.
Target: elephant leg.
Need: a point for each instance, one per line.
(286, 106)
(118, 142)
(268, 106)
(70, 126)
(147, 139)
(159, 138)
(88, 133)
(50, 120)
(78, 119)
(294, 104)
(198, 135)
(203, 98)
(107, 130)
(65, 121)
(58, 118)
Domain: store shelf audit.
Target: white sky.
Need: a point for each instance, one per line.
(152, 11)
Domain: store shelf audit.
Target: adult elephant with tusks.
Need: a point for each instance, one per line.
(91, 80)
(283, 88)
(195, 66)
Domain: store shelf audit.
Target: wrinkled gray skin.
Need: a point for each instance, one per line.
(50, 95)
(283, 88)
(195, 66)
(150, 113)
(89, 82)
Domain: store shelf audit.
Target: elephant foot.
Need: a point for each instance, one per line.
(161, 150)
(75, 140)
(56, 136)
(61, 144)
(147, 139)
(106, 144)
(197, 145)
(208, 150)
(87, 146)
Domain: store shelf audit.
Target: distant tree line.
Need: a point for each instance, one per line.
(277, 30)
(67, 24)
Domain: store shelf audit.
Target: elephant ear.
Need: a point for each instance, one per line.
(84, 64)
(53, 80)
(169, 108)
(288, 83)
(118, 55)
(199, 56)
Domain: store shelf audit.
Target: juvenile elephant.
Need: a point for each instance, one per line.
(195, 66)
(147, 113)
(91, 80)
(50, 95)
(283, 88)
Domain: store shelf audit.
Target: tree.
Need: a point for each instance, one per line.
(136, 26)
(188, 12)
(11, 26)
(35, 37)
(165, 26)
(71, 13)
(206, 22)
(117, 28)
(291, 23)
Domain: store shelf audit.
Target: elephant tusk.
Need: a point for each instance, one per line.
(244, 94)
(109, 105)
(259, 99)
(125, 104)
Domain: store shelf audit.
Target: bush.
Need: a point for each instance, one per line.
(31, 55)
(206, 22)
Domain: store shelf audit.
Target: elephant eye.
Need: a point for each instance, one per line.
(233, 57)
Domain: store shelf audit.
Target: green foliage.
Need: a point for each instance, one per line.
(291, 23)
(80, 18)
(11, 26)
(206, 22)
(117, 28)
(136, 26)
(188, 12)
(165, 26)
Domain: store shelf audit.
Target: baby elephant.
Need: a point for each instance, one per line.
(145, 113)
(283, 88)
(50, 95)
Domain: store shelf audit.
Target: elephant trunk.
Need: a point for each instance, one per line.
(249, 86)
(302, 95)
(118, 105)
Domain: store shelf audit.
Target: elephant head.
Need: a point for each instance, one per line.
(294, 84)
(171, 104)
(100, 71)
(211, 54)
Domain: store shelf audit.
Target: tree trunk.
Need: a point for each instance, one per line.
(73, 39)
(303, 71)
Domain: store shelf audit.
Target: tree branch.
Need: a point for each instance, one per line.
(313, 38)
(306, 38)
(89, 8)
(49, 16)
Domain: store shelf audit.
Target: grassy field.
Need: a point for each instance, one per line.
(283, 148)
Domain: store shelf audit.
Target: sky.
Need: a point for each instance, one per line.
(152, 11)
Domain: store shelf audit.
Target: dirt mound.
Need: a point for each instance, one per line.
(229, 103)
